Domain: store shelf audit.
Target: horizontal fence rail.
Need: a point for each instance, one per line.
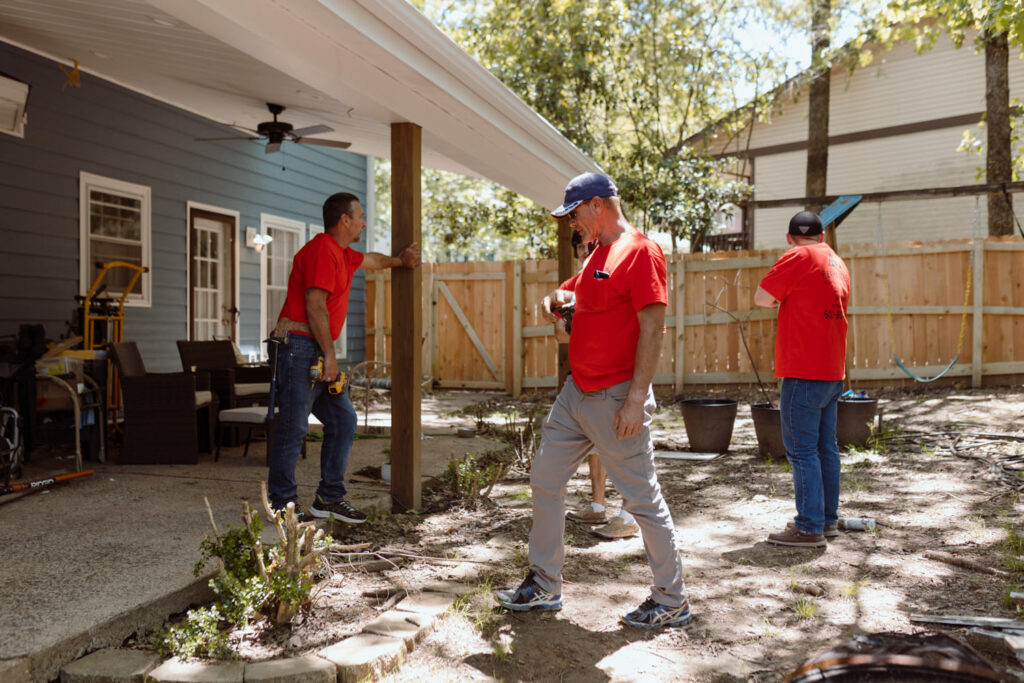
(483, 328)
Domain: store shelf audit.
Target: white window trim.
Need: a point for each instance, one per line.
(189, 205)
(266, 220)
(87, 181)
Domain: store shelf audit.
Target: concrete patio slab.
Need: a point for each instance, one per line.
(92, 562)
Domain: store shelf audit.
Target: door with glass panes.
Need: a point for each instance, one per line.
(211, 276)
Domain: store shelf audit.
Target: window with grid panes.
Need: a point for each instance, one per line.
(115, 226)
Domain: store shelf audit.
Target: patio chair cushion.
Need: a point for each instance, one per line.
(250, 415)
(252, 389)
(203, 398)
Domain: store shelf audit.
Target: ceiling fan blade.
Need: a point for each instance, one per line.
(324, 143)
(272, 147)
(236, 137)
(312, 130)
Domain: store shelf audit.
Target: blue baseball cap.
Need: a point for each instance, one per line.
(584, 187)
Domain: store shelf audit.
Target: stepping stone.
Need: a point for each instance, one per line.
(110, 665)
(409, 626)
(428, 604)
(16, 670)
(307, 669)
(180, 671)
(365, 656)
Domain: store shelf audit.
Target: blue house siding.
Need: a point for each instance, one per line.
(110, 131)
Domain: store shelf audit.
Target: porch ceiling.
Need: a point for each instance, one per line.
(355, 65)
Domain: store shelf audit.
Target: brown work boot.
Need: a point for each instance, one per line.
(617, 528)
(794, 537)
(585, 513)
(831, 530)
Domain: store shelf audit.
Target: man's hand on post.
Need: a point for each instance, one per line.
(410, 256)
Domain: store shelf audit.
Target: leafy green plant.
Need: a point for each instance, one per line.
(1013, 550)
(253, 581)
(470, 478)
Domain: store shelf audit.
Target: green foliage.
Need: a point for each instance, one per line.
(241, 589)
(1013, 550)
(472, 477)
(805, 608)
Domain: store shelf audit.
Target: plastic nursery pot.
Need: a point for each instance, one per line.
(853, 421)
(709, 423)
(768, 427)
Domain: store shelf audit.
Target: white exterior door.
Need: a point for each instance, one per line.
(287, 237)
(214, 313)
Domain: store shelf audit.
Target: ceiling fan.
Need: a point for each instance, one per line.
(275, 132)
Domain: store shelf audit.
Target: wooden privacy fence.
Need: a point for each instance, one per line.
(483, 329)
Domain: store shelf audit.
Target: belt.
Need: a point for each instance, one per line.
(286, 325)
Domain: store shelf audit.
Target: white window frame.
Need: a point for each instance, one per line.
(268, 220)
(88, 182)
(341, 343)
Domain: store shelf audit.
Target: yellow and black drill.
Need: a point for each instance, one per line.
(316, 372)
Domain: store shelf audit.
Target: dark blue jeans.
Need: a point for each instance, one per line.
(808, 411)
(296, 398)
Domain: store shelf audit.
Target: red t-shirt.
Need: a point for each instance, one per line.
(813, 286)
(321, 263)
(616, 281)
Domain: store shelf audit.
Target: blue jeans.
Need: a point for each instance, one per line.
(808, 411)
(296, 397)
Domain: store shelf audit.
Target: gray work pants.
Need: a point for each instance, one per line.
(581, 423)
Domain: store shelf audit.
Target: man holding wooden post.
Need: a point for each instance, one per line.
(606, 405)
(811, 286)
(311, 319)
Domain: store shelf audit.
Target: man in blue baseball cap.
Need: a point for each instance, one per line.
(606, 405)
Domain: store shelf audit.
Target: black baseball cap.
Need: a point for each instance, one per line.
(805, 224)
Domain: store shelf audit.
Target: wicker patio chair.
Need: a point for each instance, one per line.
(161, 426)
(235, 385)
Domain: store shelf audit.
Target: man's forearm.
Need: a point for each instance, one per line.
(320, 326)
(377, 261)
(648, 351)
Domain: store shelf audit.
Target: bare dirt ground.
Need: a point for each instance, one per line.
(760, 610)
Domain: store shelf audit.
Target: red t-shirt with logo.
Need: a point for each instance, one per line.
(616, 281)
(813, 286)
(322, 263)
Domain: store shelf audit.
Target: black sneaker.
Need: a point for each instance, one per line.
(652, 615)
(340, 510)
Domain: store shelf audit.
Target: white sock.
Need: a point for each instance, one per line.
(626, 517)
(597, 507)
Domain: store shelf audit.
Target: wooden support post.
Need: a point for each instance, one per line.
(679, 283)
(977, 314)
(566, 263)
(406, 318)
(517, 329)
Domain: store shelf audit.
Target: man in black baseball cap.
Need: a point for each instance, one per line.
(811, 286)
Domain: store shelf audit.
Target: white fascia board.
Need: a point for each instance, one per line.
(374, 61)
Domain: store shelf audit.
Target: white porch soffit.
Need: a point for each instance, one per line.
(355, 65)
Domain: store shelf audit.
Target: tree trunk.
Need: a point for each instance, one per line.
(999, 159)
(818, 108)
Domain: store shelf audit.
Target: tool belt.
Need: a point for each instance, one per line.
(286, 325)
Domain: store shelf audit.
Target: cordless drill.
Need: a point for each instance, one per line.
(316, 372)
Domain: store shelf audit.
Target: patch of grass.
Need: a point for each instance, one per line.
(1007, 601)
(805, 608)
(767, 630)
(521, 493)
(1013, 550)
(976, 524)
(520, 557)
(852, 590)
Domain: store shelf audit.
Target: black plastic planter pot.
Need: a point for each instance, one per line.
(853, 421)
(709, 423)
(768, 427)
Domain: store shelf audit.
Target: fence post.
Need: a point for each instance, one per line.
(517, 329)
(977, 315)
(680, 295)
(378, 316)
